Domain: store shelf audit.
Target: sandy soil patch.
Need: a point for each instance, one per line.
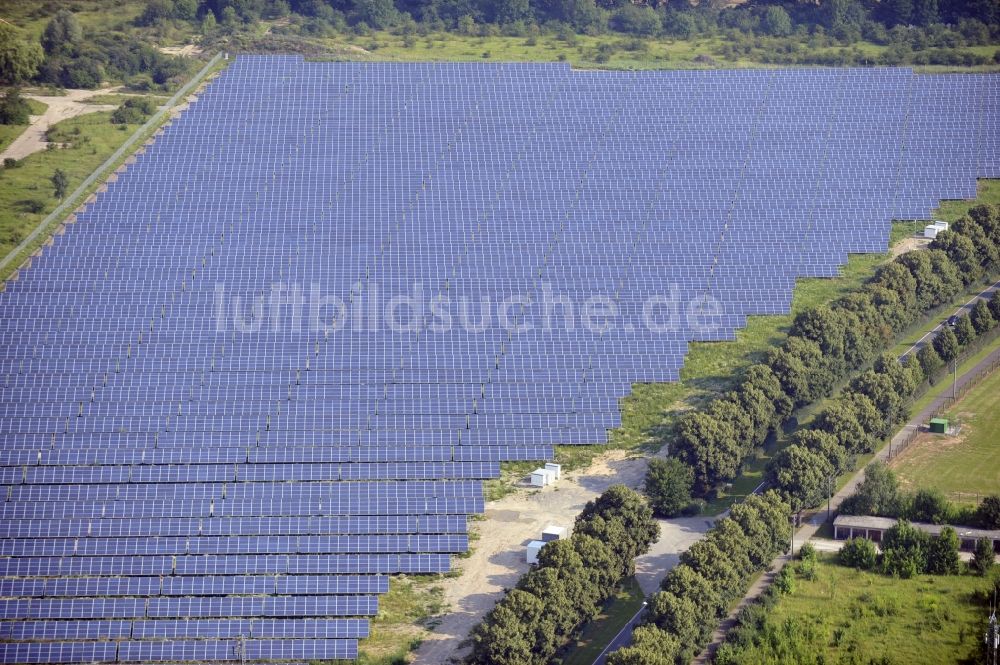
(909, 244)
(61, 108)
(188, 50)
(497, 560)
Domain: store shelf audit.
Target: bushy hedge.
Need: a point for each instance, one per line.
(879, 495)
(133, 110)
(574, 577)
(713, 573)
(826, 344)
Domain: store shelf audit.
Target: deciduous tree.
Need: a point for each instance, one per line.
(982, 557)
(19, 57)
(668, 485)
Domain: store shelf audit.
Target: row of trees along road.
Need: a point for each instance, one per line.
(573, 579)
(827, 344)
(714, 572)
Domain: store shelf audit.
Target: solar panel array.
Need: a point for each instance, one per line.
(180, 490)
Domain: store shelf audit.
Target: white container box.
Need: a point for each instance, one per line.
(551, 533)
(532, 550)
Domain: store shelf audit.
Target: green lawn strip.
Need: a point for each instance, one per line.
(26, 192)
(597, 634)
(944, 385)
(404, 614)
(969, 468)
(607, 51)
(37, 107)
(8, 133)
(845, 615)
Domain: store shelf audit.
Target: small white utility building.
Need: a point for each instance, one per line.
(553, 532)
(932, 230)
(541, 477)
(532, 550)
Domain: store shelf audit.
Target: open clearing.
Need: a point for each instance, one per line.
(963, 466)
(60, 108)
(497, 560)
(848, 614)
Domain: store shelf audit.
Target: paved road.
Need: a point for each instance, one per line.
(624, 636)
(985, 294)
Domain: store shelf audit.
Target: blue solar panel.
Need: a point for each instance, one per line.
(203, 462)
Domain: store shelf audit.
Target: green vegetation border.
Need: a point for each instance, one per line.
(37, 237)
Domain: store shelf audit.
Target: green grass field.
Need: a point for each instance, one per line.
(598, 633)
(849, 616)
(397, 629)
(607, 51)
(26, 193)
(965, 465)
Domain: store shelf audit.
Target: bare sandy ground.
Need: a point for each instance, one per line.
(60, 108)
(189, 50)
(909, 244)
(497, 560)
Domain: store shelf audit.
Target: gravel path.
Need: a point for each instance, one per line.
(60, 108)
(497, 560)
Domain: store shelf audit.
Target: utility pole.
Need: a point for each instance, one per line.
(829, 495)
(241, 649)
(992, 637)
(954, 382)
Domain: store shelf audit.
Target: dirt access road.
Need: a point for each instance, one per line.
(60, 108)
(497, 560)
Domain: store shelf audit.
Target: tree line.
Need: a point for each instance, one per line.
(826, 345)
(866, 413)
(880, 495)
(573, 579)
(847, 20)
(68, 56)
(714, 572)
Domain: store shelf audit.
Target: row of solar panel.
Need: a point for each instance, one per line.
(248, 564)
(56, 509)
(309, 421)
(149, 652)
(271, 544)
(219, 473)
(310, 585)
(183, 628)
(378, 439)
(129, 449)
(225, 526)
(226, 606)
(320, 491)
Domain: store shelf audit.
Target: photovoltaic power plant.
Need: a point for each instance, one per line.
(218, 440)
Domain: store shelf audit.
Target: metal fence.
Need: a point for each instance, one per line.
(943, 403)
(45, 227)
